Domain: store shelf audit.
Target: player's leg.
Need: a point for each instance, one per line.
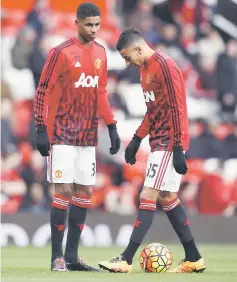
(59, 173)
(148, 198)
(177, 216)
(147, 208)
(145, 216)
(180, 223)
(84, 178)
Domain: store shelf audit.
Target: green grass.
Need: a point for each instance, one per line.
(32, 264)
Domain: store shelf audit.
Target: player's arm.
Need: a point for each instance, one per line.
(143, 129)
(175, 97)
(133, 146)
(106, 111)
(173, 89)
(49, 77)
(52, 70)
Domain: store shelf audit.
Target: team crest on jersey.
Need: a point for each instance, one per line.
(148, 78)
(98, 63)
(58, 174)
(77, 63)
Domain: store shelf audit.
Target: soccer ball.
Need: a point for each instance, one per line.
(156, 258)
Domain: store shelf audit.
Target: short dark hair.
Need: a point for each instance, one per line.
(86, 10)
(127, 37)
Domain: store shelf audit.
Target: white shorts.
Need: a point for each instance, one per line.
(72, 164)
(160, 172)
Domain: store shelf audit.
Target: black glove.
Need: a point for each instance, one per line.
(42, 141)
(114, 138)
(179, 161)
(131, 150)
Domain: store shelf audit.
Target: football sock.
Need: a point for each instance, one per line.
(58, 215)
(191, 251)
(179, 220)
(76, 219)
(141, 226)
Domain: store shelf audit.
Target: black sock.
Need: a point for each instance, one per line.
(76, 219)
(179, 220)
(191, 251)
(58, 216)
(141, 226)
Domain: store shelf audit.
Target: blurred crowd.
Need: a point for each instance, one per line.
(184, 30)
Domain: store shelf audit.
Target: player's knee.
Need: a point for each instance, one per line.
(149, 194)
(166, 196)
(63, 189)
(83, 190)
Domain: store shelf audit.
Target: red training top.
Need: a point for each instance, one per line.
(72, 93)
(166, 119)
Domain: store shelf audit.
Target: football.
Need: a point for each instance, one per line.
(156, 258)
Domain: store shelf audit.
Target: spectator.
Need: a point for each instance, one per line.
(23, 47)
(116, 100)
(203, 144)
(227, 82)
(7, 139)
(226, 133)
(142, 19)
(37, 59)
(36, 201)
(39, 16)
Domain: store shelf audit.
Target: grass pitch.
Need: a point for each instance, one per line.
(32, 264)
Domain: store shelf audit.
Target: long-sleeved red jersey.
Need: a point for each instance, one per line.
(166, 119)
(72, 94)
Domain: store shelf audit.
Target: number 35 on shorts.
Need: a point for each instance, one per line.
(160, 172)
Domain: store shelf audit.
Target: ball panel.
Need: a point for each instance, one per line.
(161, 261)
(151, 269)
(161, 269)
(152, 248)
(154, 258)
(147, 251)
(153, 253)
(149, 263)
(143, 254)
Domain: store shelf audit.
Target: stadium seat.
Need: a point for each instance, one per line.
(229, 173)
(212, 166)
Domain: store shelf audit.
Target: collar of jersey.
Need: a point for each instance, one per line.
(81, 45)
(150, 60)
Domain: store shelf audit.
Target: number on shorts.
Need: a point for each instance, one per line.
(152, 170)
(93, 169)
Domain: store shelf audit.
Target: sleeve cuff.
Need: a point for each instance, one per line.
(112, 126)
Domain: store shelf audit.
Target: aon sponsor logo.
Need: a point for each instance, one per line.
(87, 81)
(149, 96)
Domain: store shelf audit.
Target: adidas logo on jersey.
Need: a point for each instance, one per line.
(77, 64)
(87, 81)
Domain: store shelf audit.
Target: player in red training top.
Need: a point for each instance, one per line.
(166, 122)
(70, 97)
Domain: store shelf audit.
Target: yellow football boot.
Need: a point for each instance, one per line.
(189, 267)
(116, 264)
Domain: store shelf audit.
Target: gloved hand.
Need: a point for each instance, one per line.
(179, 161)
(42, 141)
(131, 150)
(114, 138)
